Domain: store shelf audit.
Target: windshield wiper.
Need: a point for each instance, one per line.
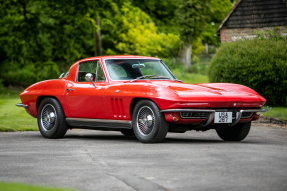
(158, 77)
(142, 77)
(164, 77)
(154, 77)
(177, 80)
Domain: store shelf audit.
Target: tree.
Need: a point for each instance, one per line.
(129, 30)
(193, 17)
(39, 38)
(220, 10)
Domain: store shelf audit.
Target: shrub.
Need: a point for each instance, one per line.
(260, 64)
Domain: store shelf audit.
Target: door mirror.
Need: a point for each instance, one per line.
(89, 77)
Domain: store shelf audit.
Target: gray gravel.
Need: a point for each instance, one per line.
(99, 160)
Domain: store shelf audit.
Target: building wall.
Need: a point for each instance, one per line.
(229, 35)
(257, 14)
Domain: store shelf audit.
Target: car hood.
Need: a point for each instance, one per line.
(215, 94)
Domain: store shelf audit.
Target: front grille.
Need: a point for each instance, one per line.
(194, 115)
(246, 114)
(204, 115)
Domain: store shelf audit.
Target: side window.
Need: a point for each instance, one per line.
(100, 76)
(87, 67)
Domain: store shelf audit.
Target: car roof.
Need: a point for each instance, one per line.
(118, 57)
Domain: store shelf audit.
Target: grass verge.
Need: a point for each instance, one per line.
(4, 186)
(190, 78)
(276, 112)
(13, 118)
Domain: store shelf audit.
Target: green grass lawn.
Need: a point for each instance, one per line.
(13, 118)
(24, 187)
(276, 112)
(190, 78)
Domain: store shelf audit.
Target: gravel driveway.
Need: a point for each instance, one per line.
(99, 160)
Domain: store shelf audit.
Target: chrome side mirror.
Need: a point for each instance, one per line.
(89, 77)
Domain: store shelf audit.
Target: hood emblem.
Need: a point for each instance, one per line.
(234, 104)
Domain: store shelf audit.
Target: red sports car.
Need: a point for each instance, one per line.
(138, 96)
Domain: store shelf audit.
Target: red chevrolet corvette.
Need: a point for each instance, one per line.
(138, 96)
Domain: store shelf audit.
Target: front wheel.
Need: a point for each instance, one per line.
(51, 119)
(149, 124)
(236, 133)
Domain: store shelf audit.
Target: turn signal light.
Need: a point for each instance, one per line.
(175, 118)
(256, 116)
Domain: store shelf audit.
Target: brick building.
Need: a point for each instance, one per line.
(248, 16)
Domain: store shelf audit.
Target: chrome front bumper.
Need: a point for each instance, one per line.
(212, 113)
(21, 105)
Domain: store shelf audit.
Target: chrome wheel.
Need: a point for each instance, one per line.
(48, 117)
(145, 120)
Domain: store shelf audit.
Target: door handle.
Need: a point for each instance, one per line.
(70, 90)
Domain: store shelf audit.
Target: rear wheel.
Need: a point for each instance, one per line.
(51, 119)
(149, 124)
(236, 133)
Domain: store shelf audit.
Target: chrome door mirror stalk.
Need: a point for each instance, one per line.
(89, 77)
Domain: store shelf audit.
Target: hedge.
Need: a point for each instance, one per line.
(260, 64)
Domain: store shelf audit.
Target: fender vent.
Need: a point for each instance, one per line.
(118, 108)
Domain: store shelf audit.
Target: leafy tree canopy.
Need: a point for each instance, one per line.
(39, 39)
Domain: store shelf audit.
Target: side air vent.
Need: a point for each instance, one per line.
(118, 108)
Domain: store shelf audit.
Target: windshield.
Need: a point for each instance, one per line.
(130, 69)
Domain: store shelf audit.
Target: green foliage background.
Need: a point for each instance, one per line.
(260, 64)
(41, 39)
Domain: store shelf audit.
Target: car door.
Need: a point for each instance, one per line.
(85, 99)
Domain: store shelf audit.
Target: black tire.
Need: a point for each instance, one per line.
(128, 133)
(149, 124)
(51, 119)
(236, 133)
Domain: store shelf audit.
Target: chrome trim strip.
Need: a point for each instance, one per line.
(210, 119)
(239, 114)
(99, 124)
(254, 110)
(187, 110)
(99, 120)
(21, 105)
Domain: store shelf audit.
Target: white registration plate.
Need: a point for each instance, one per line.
(223, 117)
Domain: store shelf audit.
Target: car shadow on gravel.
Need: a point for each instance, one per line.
(101, 137)
(206, 141)
(166, 141)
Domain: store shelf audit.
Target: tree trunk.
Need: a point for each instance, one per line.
(97, 39)
(186, 55)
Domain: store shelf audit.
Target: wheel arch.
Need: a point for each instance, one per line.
(134, 102)
(41, 98)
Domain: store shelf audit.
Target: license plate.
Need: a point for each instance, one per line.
(223, 117)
